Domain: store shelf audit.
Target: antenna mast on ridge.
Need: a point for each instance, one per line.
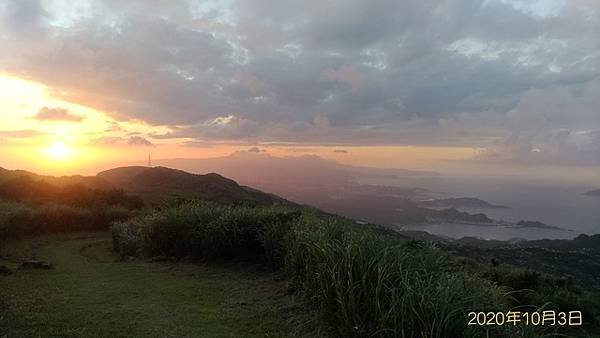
(149, 159)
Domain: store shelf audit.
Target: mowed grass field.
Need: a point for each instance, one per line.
(90, 294)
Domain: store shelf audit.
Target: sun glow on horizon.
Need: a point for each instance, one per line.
(59, 151)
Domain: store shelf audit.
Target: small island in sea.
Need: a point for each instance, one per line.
(536, 224)
(461, 202)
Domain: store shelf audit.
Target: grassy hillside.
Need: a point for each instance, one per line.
(160, 183)
(367, 281)
(19, 220)
(32, 204)
(154, 185)
(577, 259)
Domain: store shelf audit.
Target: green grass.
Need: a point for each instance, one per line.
(365, 280)
(89, 294)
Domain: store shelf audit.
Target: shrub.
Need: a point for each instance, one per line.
(28, 190)
(18, 220)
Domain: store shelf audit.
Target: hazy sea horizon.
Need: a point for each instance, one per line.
(561, 204)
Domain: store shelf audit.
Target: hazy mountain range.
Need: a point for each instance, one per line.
(259, 167)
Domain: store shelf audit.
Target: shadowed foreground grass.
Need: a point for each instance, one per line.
(89, 294)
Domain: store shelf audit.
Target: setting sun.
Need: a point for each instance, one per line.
(59, 151)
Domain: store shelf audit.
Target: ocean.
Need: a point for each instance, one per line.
(562, 204)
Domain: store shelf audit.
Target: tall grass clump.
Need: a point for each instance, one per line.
(13, 216)
(371, 283)
(206, 230)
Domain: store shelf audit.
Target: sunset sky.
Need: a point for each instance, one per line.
(87, 85)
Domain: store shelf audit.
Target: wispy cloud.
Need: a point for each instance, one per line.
(56, 114)
(27, 133)
(117, 141)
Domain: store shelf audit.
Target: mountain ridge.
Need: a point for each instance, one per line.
(157, 184)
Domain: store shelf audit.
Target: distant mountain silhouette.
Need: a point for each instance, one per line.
(61, 181)
(461, 202)
(593, 193)
(256, 167)
(159, 183)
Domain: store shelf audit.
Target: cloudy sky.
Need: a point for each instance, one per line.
(503, 81)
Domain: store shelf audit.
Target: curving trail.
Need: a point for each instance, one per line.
(88, 294)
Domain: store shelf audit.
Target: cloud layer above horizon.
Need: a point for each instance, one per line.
(520, 78)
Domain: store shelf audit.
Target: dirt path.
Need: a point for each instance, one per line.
(88, 294)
